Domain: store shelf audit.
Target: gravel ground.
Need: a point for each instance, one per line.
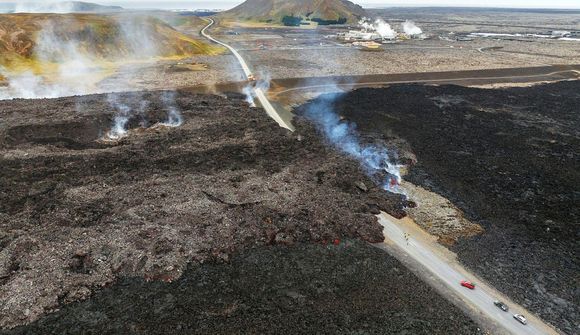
(165, 75)
(77, 211)
(348, 288)
(410, 57)
(509, 159)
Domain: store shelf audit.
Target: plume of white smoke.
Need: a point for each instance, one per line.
(365, 24)
(131, 107)
(379, 26)
(138, 38)
(411, 29)
(174, 118)
(262, 82)
(121, 119)
(384, 29)
(376, 160)
(70, 78)
(248, 91)
(77, 61)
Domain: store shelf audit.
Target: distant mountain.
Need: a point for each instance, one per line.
(65, 7)
(279, 11)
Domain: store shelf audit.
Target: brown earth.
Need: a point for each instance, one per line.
(78, 212)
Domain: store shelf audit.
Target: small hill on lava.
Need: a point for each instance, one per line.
(283, 11)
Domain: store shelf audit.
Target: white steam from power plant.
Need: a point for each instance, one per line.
(411, 29)
(379, 26)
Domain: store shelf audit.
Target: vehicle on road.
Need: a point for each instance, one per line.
(521, 319)
(468, 284)
(501, 305)
(251, 78)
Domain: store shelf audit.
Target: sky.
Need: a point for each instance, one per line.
(224, 4)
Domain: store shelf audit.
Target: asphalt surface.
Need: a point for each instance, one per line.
(451, 274)
(258, 92)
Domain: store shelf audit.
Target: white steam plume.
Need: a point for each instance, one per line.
(379, 26)
(262, 82)
(135, 106)
(70, 78)
(377, 161)
(411, 29)
(77, 62)
(123, 112)
(250, 95)
(174, 118)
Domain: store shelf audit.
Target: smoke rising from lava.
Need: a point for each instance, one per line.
(73, 68)
(262, 82)
(72, 63)
(134, 107)
(174, 118)
(376, 160)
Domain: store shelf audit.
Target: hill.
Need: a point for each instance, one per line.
(290, 11)
(34, 42)
(65, 7)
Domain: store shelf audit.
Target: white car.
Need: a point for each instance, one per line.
(521, 319)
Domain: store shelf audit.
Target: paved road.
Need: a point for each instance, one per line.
(449, 273)
(260, 94)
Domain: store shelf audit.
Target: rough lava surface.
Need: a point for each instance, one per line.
(508, 158)
(348, 287)
(77, 211)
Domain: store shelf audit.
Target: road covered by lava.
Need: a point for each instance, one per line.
(508, 158)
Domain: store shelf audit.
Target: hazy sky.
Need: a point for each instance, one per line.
(372, 3)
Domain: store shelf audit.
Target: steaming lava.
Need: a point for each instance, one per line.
(76, 212)
(509, 159)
